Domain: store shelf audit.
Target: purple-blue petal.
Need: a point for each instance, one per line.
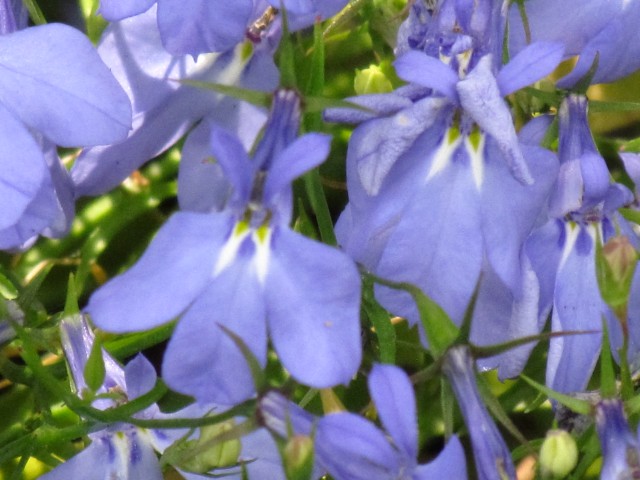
(313, 305)
(417, 67)
(201, 359)
(392, 393)
(230, 154)
(536, 61)
(172, 272)
(450, 464)
(140, 376)
(54, 81)
(118, 9)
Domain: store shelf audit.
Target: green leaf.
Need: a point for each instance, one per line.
(318, 104)
(7, 288)
(579, 406)
(71, 303)
(380, 319)
(440, 330)
(607, 371)
(34, 12)
(260, 99)
(94, 370)
(598, 106)
(631, 215)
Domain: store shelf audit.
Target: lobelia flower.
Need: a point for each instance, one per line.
(125, 451)
(192, 27)
(493, 459)
(244, 268)
(586, 28)
(582, 209)
(445, 174)
(352, 448)
(121, 450)
(620, 447)
(54, 90)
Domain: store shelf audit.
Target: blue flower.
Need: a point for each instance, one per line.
(493, 459)
(587, 28)
(165, 109)
(582, 211)
(244, 268)
(351, 448)
(444, 173)
(620, 447)
(54, 90)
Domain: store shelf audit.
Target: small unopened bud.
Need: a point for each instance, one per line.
(371, 80)
(298, 458)
(558, 455)
(208, 451)
(615, 270)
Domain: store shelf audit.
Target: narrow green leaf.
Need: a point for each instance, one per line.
(286, 54)
(7, 288)
(631, 215)
(380, 319)
(254, 97)
(607, 371)
(597, 106)
(34, 12)
(71, 303)
(28, 295)
(579, 406)
(447, 401)
(94, 370)
(441, 332)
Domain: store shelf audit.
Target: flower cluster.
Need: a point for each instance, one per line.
(476, 214)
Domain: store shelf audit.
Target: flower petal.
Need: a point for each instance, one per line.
(536, 61)
(201, 359)
(190, 27)
(450, 464)
(417, 67)
(172, 272)
(395, 401)
(313, 302)
(53, 79)
(118, 9)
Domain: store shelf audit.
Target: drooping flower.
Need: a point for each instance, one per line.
(352, 448)
(444, 173)
(582, 211)
(54, 90)
(493, 459)
(244, 268)
(620, 447)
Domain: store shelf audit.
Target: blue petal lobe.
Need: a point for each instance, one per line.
(531, 64)
(417, 67)
(175, 268)
(118, 9)
(313, 302)
(450, 464)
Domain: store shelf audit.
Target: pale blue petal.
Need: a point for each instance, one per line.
(567, 194)
(381, 104)
(544, 250)
(501, 315)
(118, 9)
(450, 464)
(536, 61)
(201, 359)
(535, 130)
(313, 309)
(352, 448)
(202, 185)
(481, 98)
(511, 209)
(172, 272)
(377, 145)
(631, 163)
(238, 168)
(418, 67)
(302, 155)
(23, 170)
(595, 177)
(634, 308)
(190, 27)
(442, 220)
(77, 103)
(392, 393)
(577, 306)
(100, 169)
(140, 376)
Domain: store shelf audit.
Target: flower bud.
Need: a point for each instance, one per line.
(298, 458)
(371, 80)
(615, 270)
(558, 455)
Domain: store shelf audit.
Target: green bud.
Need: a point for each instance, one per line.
(616, 262)
(558, 455)
(371, 80)
(208, 452)
(298, 458)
